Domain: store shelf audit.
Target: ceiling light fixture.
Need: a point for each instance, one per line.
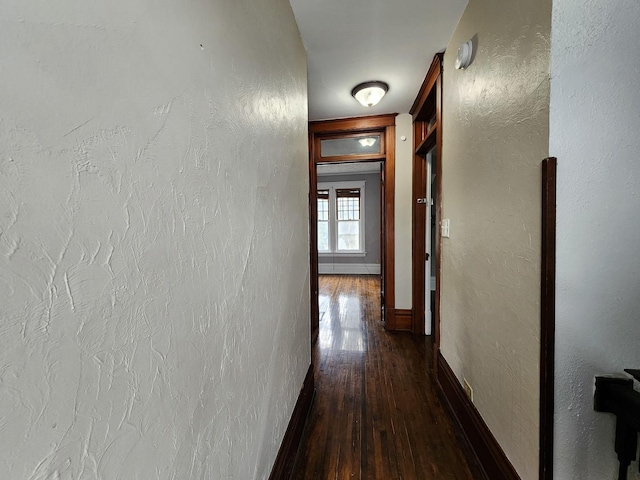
(370, 93)
(367, 142)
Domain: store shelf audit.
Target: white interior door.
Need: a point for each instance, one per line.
(427, 244)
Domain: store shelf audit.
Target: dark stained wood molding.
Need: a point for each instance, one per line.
(313, 250)
(390, 320)
(481, 441)
(286, 458)
(547, 314)
(385, 125)
(435, 69)
(403, 318)
(426, 135)
(352, 158)
(353, 124)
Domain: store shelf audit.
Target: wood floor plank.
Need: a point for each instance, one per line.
(377, 415)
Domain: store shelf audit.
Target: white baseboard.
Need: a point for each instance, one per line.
(349, 268)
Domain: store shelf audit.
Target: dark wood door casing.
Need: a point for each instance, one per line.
(379, 124)
(383, 313)
(427, 134)
(313, 236)
(547, 316)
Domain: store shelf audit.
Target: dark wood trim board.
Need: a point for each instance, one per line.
(435, 69)
(286, 459)
(353, 124)
(481, 441)
(313, 250)
(403, 319)
(547, 316)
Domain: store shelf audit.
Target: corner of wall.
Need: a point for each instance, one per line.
(403, 208)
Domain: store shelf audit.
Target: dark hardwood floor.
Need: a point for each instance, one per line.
(377, 414)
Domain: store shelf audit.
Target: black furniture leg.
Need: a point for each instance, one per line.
(626, 447)
(617, 396)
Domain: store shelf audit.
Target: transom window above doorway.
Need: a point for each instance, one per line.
(352, 145)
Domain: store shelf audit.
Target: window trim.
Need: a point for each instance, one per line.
(333, 219)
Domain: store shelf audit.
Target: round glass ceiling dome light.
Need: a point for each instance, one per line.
(370, 93)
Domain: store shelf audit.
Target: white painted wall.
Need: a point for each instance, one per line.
(594, 133)
(154, 300)
(404, 165)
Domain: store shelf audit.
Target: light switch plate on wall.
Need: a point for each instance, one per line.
(445, 227)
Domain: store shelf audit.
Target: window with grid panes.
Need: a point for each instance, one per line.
(323, 221)
(348, 208)
(340, 217)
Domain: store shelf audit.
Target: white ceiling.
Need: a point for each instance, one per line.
(353, 41)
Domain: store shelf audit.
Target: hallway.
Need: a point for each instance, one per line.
(376, 414)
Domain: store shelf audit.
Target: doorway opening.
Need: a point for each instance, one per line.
(427, 205)
(349, 218)
(351, 171)
(430, 240)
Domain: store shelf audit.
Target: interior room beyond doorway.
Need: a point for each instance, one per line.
(349, 219)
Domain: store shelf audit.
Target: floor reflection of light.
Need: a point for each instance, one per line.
(352, 341)
(341, 323)
(325, 339)
(323, 304)
(350, 311)
(325, 335)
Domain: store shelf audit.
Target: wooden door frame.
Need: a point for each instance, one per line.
(426, 135)
(547, 316)
(385, 125)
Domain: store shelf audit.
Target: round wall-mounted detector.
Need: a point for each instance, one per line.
(403, 138)
(463, 59)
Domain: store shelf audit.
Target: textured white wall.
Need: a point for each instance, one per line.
(404, 166)
(594, 133)
(154, 302)
(495, 136)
